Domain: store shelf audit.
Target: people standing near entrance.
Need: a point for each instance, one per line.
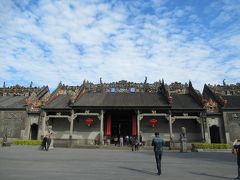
(115, 139)
(130, 140)
(236, 146)
(121, 141)
(158, 144)
(136, 145)
(140, 140)
(127, 140)
(133, 143)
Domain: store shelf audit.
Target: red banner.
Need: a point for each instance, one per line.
(108, 130)
(134, 126)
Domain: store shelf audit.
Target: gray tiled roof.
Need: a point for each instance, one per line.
(233, 102)
(61, 102)
(12, 102)
(184, 101)
(121, 100)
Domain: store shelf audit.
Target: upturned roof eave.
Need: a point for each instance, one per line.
(132, 107)
(10, 108)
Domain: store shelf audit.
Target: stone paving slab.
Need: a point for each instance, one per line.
(25, 163)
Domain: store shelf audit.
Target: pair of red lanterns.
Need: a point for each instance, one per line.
(89, 122)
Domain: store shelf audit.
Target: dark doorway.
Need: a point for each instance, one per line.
(34, 131)
(214, 134)
(121, 123)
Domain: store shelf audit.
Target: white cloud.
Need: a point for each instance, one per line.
(70, 41)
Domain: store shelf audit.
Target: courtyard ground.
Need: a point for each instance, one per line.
(24, 163)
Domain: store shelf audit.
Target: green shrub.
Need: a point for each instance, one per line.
(210, 146)
(27, 142)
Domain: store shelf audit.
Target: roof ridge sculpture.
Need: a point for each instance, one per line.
(192, 92)
(74, 98)
(217, 97)
(55, 94)
(162, 89)
(122, 86)
(18, 90)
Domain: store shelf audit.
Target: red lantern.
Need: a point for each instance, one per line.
(153, 122)
(88, 121)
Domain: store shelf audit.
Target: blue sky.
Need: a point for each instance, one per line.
(48, 41)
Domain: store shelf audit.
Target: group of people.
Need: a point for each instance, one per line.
(134, 143)
(46, 142)
(129, 141)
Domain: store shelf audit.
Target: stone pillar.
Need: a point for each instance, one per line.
(51, 135)
(183, 145)
(226, 127)
(44, 123)
(202, 129)
(138, 125)
(101, 127)
(221, 130)
(183, 140)
(170, 131)
(28, 124)
(170, 126)
(206, 129)
(2, 123)
(71, 119)
(200, 120)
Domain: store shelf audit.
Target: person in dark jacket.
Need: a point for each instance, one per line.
(236, 145)
(158, 144)
(44, 143)
(133, 143)
(136, 144)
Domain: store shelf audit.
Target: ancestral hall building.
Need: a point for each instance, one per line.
(96, 113)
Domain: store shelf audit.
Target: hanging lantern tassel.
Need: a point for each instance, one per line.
(153, 122)
(88, 122)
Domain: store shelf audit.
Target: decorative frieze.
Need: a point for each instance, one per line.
(211, 106)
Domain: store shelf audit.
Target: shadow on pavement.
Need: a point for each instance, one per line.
(204, 156)
(138, 170)
(210, 175)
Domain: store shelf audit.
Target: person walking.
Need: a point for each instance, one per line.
(121, 141)
(44, 143)
(236, 145)
(48, 141)
(158, 144)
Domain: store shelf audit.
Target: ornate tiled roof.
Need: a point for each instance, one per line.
(61, 102)
(32, 98)
(232, 102)
(184, 101)
(138, 99)
(12, 102)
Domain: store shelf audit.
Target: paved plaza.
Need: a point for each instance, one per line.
(23, 163)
